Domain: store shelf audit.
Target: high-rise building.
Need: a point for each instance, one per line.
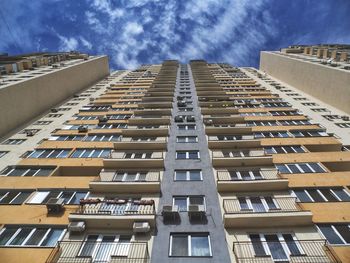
(198, 162)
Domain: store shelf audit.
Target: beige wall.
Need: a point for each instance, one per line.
(330, 85)
(25, 100)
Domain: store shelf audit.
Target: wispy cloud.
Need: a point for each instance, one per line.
(133, 32)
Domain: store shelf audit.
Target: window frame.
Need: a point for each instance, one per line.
(189, 244)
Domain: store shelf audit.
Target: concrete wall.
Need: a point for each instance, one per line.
(330, 85)
(25, 100)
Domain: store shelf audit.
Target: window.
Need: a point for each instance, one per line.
(188, 175)
(257, 203)
(190, 245)
(335, 233)
(296, 168)
(299, 98)
(309, 104)
(14, 197)
(100, 248)
(320, 110)
(138, 155)
(343, 125)
(262, 123)
(30, 132)
(308, 133)
(286, 123)
(48, 153)
(247, 175)
(31, 236)
(70, 197)
(284, 149)
(331, 117)
(63, 109)
(67, 138)
(184, 201)
(189, 127)
(182, 155)
(279, 246)
(14, 141)
(90, 117)
(27, 171)
(186, 139)
(2, 153)
(322, 195)
(54, 115)
(130, 176)
(280, 134)
(102, 138)
(42, 122)
(91, 153)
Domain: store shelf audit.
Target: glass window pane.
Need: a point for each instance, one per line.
(196, 200)
(8, 198)
(179, 245)
(6, 235)
(20, 237)
(36, 237)
(243, 203)
(302, 196)
(330, 235)
(316, 167)
(294, 168)
(20, 198)
(292, 246)
(18, 172)
(344, 231)
(329, 195)
(181, 155)
(315, 195)
(257, 245)
(282, 169)
(342, 194)
(193, 155)
(77, 153)
(195, 175)
(76, 198)
(200, 246)
(44, 172)
(52, 238)
(180, 175)
(181, 202)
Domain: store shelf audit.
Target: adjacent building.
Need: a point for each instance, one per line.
(171, 162)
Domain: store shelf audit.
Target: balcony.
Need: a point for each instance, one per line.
(305, 251)
(267, 180)
(227, 128)
(109, 182)
(137, 159)
(157, 105)
(115, 213)
(99, 252)
(244, 157)
(158, 99)
(223, 118)
(149, 120)
(129, 143)
(286, 213)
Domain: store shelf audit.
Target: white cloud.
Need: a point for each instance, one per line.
(85, 43)
(67, 43)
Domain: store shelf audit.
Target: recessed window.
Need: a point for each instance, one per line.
(30, 132)
(186, 109)
(132, 177)
(335, 233)
(14, 197)
(188, 175)
(343, 125)
(70, 197)
(284, 149)
(3, 153)
(322, 195)
(186, 139)
(63, 109)
(297, 168)
(27, 171)
(189, 127)
(320, 110)
(42, 122)
(91, 153)
(183, 202)
(53, 115)
(40, 236)
(13, 141)
(48, 153)
(190, 245)
(309, 104)
(182, 155)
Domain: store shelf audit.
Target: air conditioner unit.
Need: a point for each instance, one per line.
(76, 226)
(82, 128)
(170, 211)
(208, 122)
(55, 205)
(196, 211)
(29, 133)
(102, 118)
(54, 110)
(141, 227)
(179, 119)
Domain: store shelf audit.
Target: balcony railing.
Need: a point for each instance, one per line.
(109, 176)
(301, 251)
(145, 156)
(234, 138)
(240, 154)
(99, 252)
(117, 207)
(283, 204)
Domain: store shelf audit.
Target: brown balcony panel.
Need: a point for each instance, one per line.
(114, 252)
(310, 251)
(270, 181)
(107, 183)
(110, 214)
(288, 213)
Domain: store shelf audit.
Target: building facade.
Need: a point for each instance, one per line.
(198, 162)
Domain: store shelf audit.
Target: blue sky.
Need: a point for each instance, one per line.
(134, 32)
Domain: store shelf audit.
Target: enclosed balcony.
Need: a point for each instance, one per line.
(224, 118)
(146, 130)
(233, 141)
(99, 252)
(298, 251)
(264, 179)
(115, 213)
(135, 159)
(247, 157)
(127, 181)
(156, 105)
(264, 211)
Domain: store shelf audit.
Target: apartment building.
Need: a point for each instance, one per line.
(323, 71)
(198, 162)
